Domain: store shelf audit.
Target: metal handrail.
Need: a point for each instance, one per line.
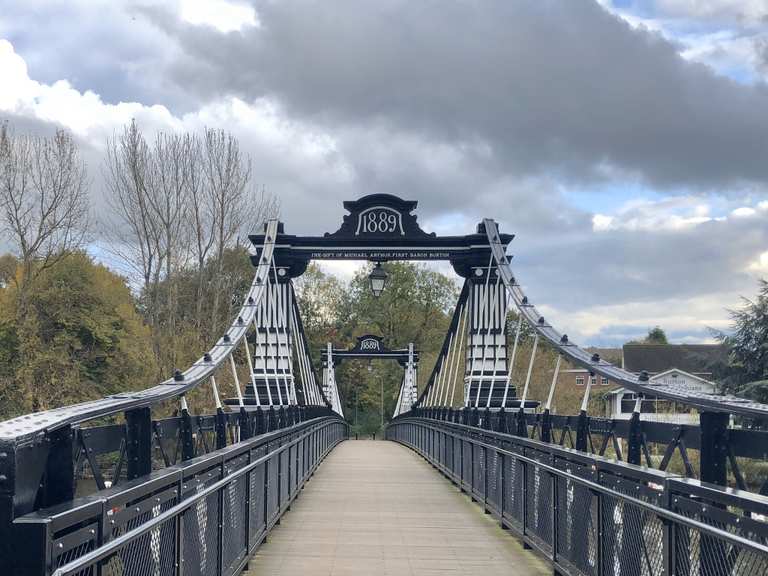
(116, 544)
(659, 511)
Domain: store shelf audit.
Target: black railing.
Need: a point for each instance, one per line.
(102, 455)
(593, 516)
(202, 517)
(655, 444)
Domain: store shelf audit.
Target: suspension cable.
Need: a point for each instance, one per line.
(250, 367)
(453, 361)
(310, 383)
(215, 392)
(303, 375)
(479, 319)
(452, 348)
(585, 399)
(503, 320)
(274, 318)
(433, 398)
(455, 373)
(264, 364)
(237, 381)
(554, 383)
(512, 359)
(457, 355)
(530, 370)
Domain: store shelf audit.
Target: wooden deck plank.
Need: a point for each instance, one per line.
(376, 508)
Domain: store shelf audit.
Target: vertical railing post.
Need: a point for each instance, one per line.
(185, 436)
(138, 442)
(221, 429)
(668, 544)
(600, 560)
(714, 447)
(714, 458)
(555, 513)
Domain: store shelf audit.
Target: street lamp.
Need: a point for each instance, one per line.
(378, 280)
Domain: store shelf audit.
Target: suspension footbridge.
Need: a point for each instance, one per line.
(475, 476)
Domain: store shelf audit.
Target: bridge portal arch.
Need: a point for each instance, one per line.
(369, 347)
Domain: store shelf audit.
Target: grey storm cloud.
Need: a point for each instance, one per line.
(554, 86)
(476, 109)
(618, 266)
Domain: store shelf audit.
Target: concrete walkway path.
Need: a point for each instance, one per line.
(376, 508)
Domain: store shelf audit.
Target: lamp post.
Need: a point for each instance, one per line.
(378, 279)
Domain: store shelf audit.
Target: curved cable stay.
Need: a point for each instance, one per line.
(406, 398)
(330, 386)
(442, 359)
(310, 373)
(710, 402)
(33, 425)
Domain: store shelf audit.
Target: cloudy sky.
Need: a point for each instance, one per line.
(624, 142)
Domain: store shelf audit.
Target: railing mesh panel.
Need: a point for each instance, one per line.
(152, 554)
(233, 525)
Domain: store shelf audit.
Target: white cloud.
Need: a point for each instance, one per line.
(743, 212)
(668, 215)
(224, 15)
(737, 10)
(621, 322)
(759, 265)
(84, 113)
(723, 34)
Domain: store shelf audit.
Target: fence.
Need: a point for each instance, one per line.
(201, 518)
(591, 516)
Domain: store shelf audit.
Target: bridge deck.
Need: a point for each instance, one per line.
(376, 508)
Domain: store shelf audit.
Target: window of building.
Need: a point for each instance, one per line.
(579, 380)
(593, 380)
(604, 381)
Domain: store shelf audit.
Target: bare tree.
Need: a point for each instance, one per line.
(132, 230)
(178, 205)
(43, 198)
(231, 201)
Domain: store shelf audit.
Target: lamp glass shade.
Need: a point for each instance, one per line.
(378, 279)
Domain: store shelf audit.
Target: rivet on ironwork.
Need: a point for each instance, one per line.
(643, 376)
(595, 357)
(240, 320)
(207, 357)
(226, 338)
(178, 376)
(525, 300)
(564, 339)
(541, 320)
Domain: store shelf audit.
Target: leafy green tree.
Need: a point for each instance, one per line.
(745, 368)
(416, 307)
(656, 335)
(80, 338)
